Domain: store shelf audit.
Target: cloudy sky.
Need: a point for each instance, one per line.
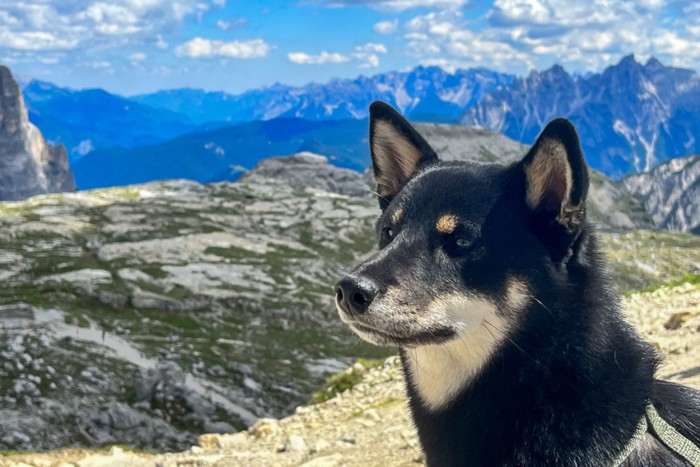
(135, 46)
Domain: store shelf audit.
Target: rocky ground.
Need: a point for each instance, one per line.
(369, 424)
(151, 314)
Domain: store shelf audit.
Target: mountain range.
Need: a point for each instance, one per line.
(84, 120)
(631, 116)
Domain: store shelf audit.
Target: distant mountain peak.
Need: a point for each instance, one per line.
(653, 63)
(628, 60)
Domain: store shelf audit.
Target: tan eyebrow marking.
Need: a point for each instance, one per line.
(396, 215)
(446, 224)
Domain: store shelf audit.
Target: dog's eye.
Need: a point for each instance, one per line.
(463, 242)
(387, 234)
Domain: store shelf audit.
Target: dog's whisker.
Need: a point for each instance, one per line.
(380, 196)
(540, 302)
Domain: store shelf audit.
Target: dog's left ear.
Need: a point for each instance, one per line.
(557, 179)
(397, 150)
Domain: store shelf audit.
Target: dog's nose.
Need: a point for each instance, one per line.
(355, 295)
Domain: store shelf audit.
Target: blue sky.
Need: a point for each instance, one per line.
(136, 46)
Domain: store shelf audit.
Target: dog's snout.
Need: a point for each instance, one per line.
(355, 295)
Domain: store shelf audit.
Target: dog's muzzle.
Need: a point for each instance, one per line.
(354, 295)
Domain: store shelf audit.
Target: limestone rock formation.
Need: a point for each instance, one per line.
(670, 192)
(28, 165)
(307, 169)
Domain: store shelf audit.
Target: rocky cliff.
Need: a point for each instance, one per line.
(670, 193)
(28, 165)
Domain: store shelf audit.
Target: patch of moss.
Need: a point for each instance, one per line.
(154, 270)
(344, 380)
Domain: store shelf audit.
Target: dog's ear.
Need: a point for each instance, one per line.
(556, 179)
(397, 150)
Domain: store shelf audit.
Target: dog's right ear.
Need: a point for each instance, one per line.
(397, 150)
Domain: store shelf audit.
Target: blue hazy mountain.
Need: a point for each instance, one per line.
(93, 118)
(630, 117)
(424, 93)
(223, 153)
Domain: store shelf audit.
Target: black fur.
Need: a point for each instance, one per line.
(571, 382)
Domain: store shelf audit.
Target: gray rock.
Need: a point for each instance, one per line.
(670, 193)
(295, 443)
(28, 165)
(308, 170)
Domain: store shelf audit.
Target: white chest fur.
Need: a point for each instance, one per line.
(440, 372)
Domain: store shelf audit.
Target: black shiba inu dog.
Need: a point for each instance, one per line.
(490, 281)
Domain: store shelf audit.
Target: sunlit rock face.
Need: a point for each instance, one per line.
(28, 165)
(670, 193)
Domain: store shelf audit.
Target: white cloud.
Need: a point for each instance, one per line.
(137, 58)
(206, 48)
(393, 5)
(232, 24)
(320, 59)
(366, 56)
(97, 65)
(386, 27)
(161, 43)
(370, 47)
(584, 36)
(35, 40)
(90, 24)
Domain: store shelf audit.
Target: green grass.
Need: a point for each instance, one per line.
(690, 278)
(341, 382)
(12, 452)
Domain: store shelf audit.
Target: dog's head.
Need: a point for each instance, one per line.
(462, 245)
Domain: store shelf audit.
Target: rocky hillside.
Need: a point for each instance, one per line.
(28, 165)
(670, 193)
(370, 424)
(151, 314)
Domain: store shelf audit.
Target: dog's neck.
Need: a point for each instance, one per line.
(440, 372)
(559, 372)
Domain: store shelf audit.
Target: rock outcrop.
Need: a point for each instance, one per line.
(307, 169)
(670, 193)
(28, 165)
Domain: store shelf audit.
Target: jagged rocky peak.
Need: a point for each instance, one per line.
(670, 193)
(28, 165)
